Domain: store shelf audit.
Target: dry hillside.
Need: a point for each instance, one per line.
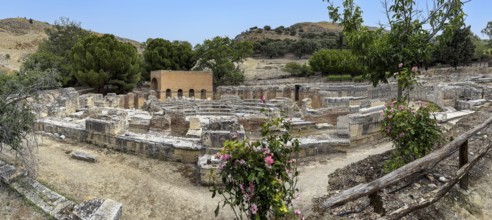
(293, 32)
(19, 38)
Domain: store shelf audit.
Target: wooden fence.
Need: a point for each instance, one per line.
(418, 166)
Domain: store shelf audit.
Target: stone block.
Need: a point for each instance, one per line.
(84, 156)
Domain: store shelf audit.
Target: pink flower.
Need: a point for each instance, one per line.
(297, 212)
(253, 208)
(400, 65)
(262, 99)
(400, 107)
(269, 160)
(415, 69)
(225, 157)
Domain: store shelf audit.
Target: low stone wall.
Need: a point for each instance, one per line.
(171, 149)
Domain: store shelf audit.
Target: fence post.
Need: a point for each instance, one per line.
(377, 203)
(463, 161)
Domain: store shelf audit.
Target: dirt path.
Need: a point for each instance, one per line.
(313, 178)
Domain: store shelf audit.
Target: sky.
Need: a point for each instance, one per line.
(197, 20)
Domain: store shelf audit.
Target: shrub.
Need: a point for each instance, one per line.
(412, 131)
(259, 179)
(7, 56)
(297, 69)
(336, 62)
(339, 78)
(267, 28)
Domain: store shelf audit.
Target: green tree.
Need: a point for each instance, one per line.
(404, 41)
(458, 49)
(16, 116)
(275, 49)
(162, 54)
(55, 51)
(222, 55)
(304, 47)
(488, 31)
(106, 63)
(267, 28)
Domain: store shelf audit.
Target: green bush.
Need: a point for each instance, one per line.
(338, 78)
(412, 131)
(259, 179)
(297, 69)
(340, 62)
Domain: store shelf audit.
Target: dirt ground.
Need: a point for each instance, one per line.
(15, 207)
(153, 189)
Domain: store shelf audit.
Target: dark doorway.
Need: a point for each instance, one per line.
(298, 87)
(191, 93)
(153, 84)
(203, 94)
(180, 93)
(168, 93)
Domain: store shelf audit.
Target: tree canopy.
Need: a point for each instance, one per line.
(162, 54)
(222, 55)
(403, 41)
(106, 63)
(55, 51)
(458, 49)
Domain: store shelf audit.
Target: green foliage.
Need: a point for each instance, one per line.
(336, 62)
(297, 69)
(339, 78)
(221, 55)
(54, 52)
(304, 47)
(457, 49)
(275, 49)
(162, 54)
(7, 56)
(488, 31)
(16, 117)
(259, 178)
(412, 131)
(106, 63)
(267, 28)
(407, 42)
(480, 48)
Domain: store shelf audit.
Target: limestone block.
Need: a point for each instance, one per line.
(83, 156)
(99, 209)
(159, 123)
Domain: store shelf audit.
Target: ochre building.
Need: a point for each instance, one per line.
(181, 84)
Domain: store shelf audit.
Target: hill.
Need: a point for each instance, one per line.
(20, 37)
(294, 32)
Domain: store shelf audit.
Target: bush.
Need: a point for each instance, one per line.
(338, 78)
(267, 28)
(297, 69)
(259, 179)
(412, 131)
(336, 62)
(7, 56)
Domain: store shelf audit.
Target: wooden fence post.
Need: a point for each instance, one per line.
(377, 203)
(463, 161)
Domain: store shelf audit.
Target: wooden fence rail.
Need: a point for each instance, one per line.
(414, 167)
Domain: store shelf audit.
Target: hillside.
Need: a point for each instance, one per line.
(294, 32)
(19, 38)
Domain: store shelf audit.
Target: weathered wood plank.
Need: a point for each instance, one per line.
(463, 161)
(463, 171)
(418, 165)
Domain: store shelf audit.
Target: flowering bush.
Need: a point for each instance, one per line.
(259, 178)
(412, 131)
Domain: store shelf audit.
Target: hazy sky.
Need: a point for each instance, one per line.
(196, 20)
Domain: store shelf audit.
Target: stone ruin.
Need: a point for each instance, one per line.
(326, 117)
